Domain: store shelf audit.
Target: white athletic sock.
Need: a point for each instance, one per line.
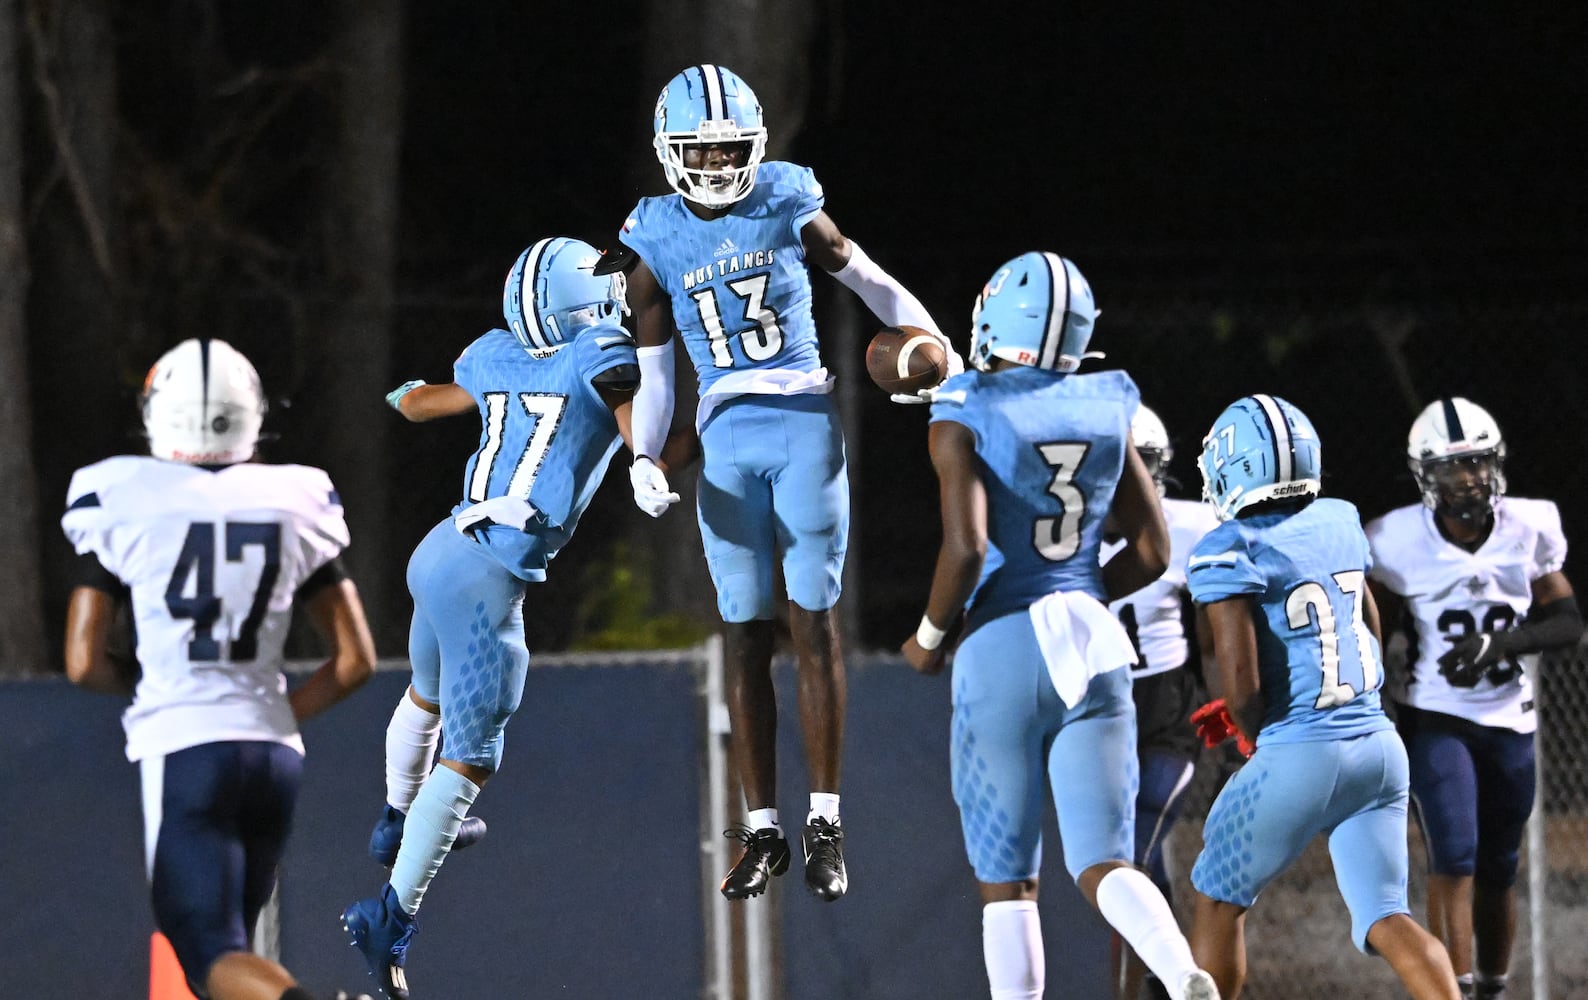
(1135, 908)
(764, 819)
(411, 738)
(825, 805)
(1011, 944)
(432, 825)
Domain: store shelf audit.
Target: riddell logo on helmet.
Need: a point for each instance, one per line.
(1025, 357)
(199, 457)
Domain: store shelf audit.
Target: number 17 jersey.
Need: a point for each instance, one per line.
(1306, 572)
(212, 559)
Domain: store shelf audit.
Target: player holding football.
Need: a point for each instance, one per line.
(1282, 584)
(213, 550)
(1032, 460)
(1164, 690)
(724, 258)
(1480, 575)
(554, 398)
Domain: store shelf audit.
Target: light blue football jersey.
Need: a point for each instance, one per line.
(546, 436)
(740, 289)
(1052, 447)
(1319, 665)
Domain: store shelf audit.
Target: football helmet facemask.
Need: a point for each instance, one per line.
(556, 278)
(203, 404)
(1152, 444)
(1260, 448)
(1035, 310)
(1457, 455)
(702, 106)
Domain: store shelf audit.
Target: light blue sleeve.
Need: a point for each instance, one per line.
(1221, 567)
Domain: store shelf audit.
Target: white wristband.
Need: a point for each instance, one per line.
(927, 635)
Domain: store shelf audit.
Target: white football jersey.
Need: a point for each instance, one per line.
(1451, 592)
(212, 559)
(1152, 614)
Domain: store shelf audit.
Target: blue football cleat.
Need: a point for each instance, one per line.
(382, 931)
(387, 836)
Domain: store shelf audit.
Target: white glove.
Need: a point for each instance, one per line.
(651, 492)
(956, 366)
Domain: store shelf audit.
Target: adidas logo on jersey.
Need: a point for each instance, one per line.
(725, 248)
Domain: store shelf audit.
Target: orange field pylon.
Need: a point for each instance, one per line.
(166, 981)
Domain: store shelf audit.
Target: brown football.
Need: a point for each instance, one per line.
(905, 359)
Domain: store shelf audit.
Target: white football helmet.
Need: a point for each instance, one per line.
(203, 404)
(1152, 443)
(708, 105)
(1457, 455)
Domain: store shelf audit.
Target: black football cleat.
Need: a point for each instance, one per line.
(765, 854)
(824, 859)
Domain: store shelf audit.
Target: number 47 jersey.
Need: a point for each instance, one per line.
(1306, 573)
(212, 559)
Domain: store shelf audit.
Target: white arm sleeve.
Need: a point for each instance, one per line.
(881, 292)
(653, 400)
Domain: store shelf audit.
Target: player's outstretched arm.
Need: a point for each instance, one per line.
(963, 500)
(1232, 623)
(89, 665)
(338, 616)
(419, 401)
(1138, 517)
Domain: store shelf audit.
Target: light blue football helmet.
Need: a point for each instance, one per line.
(1260, 448)
(709, 104)
(556, 277)
(1035, 310)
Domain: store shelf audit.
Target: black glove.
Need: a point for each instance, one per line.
(1470, 657)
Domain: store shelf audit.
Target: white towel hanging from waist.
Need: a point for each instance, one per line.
(1079, 638)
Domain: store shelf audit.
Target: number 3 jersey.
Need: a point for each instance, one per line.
(1451, 592)
(1319, 666)
(1052, 448)
(546, 437)
(212, 559)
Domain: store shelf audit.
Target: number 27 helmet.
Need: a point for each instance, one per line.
(1260, 448)
(709, 105)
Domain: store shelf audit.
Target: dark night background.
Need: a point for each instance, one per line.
(1242, 184)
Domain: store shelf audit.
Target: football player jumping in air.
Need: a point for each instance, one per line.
(1165, 692)
(553, 396)
(1479, 574)
(724, 259)
(1033, 460)
(213, 550)
(1282, 587)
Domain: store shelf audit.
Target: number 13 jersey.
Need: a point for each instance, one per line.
(1451, 592)
(212, 559)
